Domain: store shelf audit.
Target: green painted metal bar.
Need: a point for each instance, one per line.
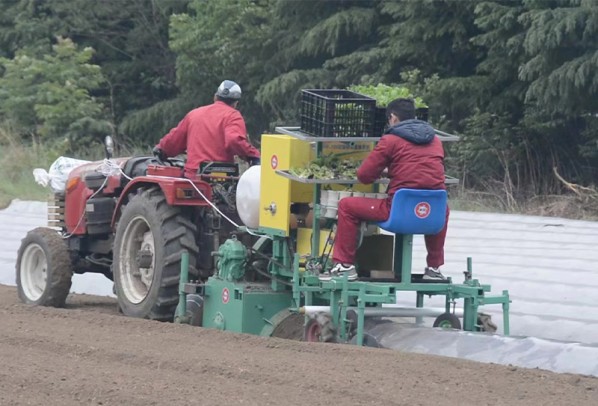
(494, 300)
(419, 303)
(470, 313)
(296, 281)
(406, 258)
(344, 304)
(272, 231)
(505, 314)
(360, 318)
(355, 286)
(334, 307)
(181, 310)
(315, 237)
(274, 268)
(403, 245)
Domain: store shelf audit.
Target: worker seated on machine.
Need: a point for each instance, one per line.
(414, 157)
(212, 133)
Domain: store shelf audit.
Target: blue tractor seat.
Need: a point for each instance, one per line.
(416, 211)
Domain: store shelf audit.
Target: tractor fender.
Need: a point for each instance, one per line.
(169, 186)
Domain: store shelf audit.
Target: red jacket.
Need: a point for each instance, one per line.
(215, 132)
(416, 166)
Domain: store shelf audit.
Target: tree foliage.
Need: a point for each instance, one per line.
(516, 78)
(130, 40)
(50, 96)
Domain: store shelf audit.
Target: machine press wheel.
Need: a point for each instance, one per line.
(319, 328)
(485, 323)
(447, 321)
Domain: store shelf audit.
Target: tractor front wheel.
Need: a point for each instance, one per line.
(151, 237)
(44, 268)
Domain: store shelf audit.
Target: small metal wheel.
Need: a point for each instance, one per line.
(319, 328)
(448, 321)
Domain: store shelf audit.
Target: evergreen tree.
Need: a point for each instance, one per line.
(319, 45)
(50, 96)
(130, 39)
(561, 47)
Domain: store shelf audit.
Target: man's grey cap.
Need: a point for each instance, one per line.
(229, 90)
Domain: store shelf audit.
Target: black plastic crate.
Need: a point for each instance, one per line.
(380, 121)
(422, 113)
(337, 113)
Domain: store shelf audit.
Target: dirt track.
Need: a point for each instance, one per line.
(89, 354)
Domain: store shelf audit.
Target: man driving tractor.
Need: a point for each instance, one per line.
(212, 133)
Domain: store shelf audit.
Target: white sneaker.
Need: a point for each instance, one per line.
(339, 271)
(433, 274)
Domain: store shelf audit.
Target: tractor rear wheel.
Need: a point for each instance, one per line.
(151, 237)
(44, 268)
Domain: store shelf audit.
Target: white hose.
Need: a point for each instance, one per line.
(110, 168)
(211, 204)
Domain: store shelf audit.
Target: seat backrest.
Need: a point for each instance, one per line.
(416, 211)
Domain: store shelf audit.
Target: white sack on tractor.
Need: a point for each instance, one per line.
(58, 173)
(248, 197)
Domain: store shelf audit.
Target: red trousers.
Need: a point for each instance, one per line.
(353, 210)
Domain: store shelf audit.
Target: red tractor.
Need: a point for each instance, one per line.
(129, 219)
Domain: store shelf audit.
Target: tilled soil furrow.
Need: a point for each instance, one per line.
(90, 354)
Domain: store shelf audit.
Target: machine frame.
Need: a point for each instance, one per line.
(232, 303)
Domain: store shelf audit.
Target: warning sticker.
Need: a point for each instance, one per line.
(422, 210)
(225, 295)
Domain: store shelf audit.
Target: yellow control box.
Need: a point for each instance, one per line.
(280, 153)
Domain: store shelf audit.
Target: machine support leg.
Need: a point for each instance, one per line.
(181, 309)
(505, 314)
(470, 313)
(334, 308)
(360, 321)
(296, 292)
(407, 252)
(419, 303)
(280, 254)
(469, 273)
(315, 238)
(402, 261)
(343, 309)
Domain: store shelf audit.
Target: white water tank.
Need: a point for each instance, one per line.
(248, 196)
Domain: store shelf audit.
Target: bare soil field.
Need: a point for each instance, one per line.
(89, 354)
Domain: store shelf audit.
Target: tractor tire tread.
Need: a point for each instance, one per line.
(60, 267)
(177, 236)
